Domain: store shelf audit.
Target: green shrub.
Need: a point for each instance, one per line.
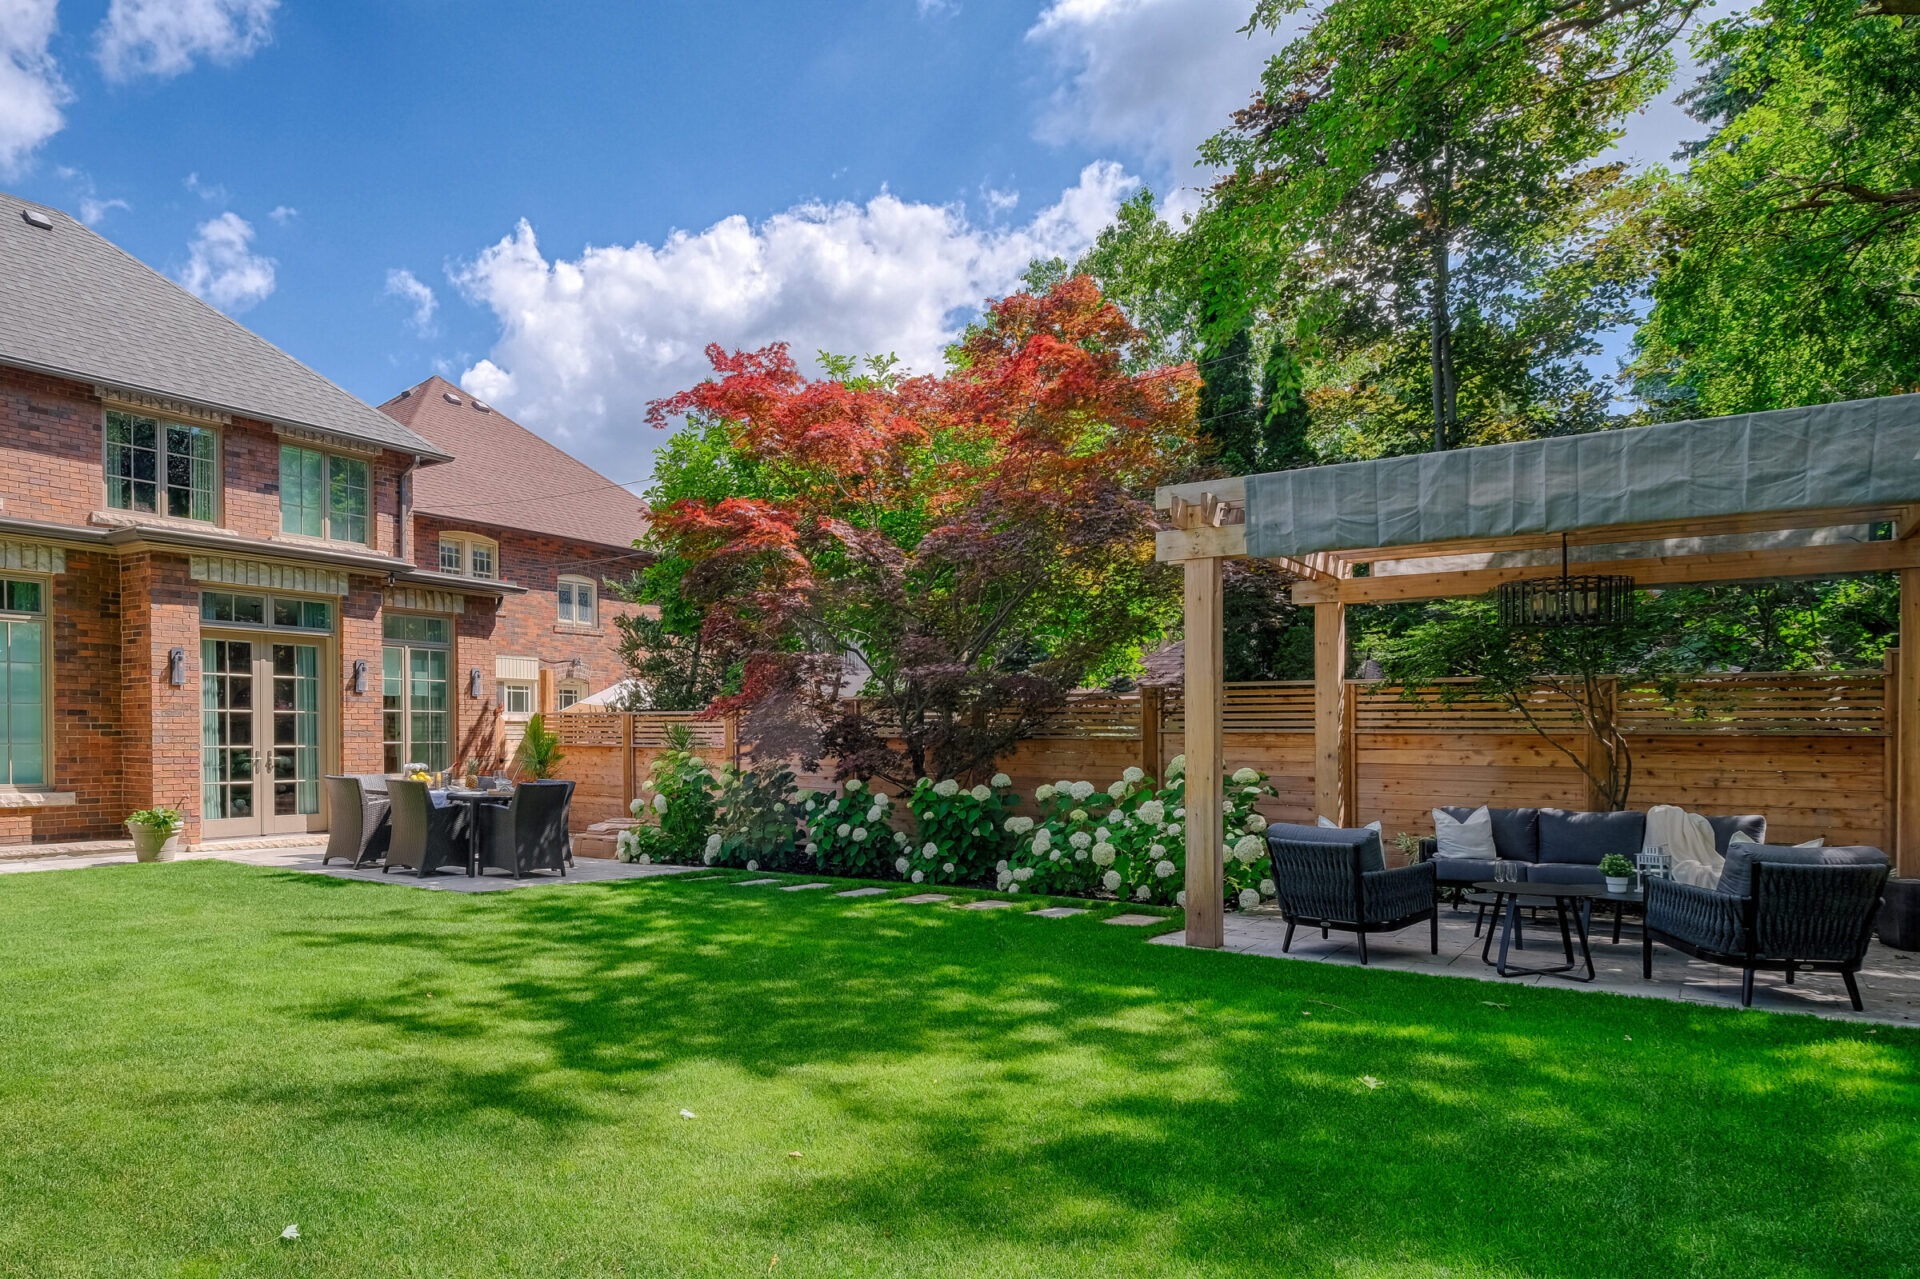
(756, 822)
(851, 833)
(959, 834)
(678, 797)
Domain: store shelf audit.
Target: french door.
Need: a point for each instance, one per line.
(261, 728)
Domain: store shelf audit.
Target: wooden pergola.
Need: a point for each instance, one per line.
(1794, 493)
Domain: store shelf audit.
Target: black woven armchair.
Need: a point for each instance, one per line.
(1795, 918)
(425, 839)
(529, 834)
(357, 829)
(1336, 884)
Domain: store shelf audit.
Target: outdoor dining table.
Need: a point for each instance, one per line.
(474, 800)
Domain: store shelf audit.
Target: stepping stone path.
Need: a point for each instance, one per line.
(801, 888)
(749, 883)
(1135, 921)
(921, 899)
(1059, 912)
(861, 892)
(990, 904)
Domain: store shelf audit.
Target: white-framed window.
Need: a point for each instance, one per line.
(570, 694)
(23, 683)
(324, 495)
(164, 468)
(469, 555)
(516, 699)
(578, 605)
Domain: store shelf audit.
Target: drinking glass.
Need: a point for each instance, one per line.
(1506, 872)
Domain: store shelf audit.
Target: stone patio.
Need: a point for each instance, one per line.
(1889, 982)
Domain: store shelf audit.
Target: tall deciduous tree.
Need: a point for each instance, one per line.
(1435, 167)
(1284, 416)
(960, 551)
(1795, 269)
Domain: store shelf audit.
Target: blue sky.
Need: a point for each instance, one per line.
(559, 205)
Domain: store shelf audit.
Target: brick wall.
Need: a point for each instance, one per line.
(529, 625)
(53, 463)
(476, 719)
(89, 738)
(50, 449)
(361, 727)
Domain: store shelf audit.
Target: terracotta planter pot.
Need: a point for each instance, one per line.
(152, 844)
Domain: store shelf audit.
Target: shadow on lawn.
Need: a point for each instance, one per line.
(1220, 1116)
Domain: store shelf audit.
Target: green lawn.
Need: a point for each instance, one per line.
(193, 1056)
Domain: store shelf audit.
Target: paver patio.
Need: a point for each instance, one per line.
(1889, 983)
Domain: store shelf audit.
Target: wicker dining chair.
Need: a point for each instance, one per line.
(425, 839)
(357, 829)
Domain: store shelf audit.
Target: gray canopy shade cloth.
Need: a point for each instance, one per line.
(1860, 453)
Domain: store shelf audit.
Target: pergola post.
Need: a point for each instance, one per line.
(1205, 662)
(1905, 743)
(1330, 744)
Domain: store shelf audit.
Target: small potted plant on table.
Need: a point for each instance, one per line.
(1618, 872)
(156, 833)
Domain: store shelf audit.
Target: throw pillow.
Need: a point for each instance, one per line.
(1472, 837)
(1324, 824)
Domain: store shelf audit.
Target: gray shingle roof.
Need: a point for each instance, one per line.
(75, 305)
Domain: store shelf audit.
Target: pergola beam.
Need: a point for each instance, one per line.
(1667, 570)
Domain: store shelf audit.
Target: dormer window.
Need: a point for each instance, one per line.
(162, 468)
(469, 555)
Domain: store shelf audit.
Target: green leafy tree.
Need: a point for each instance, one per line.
(1229, 416)
(1794, 268)
(1433, 171)
(1284, 416)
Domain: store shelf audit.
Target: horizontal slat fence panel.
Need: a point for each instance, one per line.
(1808, 751)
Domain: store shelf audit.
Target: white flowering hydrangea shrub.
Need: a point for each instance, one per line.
(1144, 832)
(1243, 831)
(677, 798)
(850, 833)
(757, 820)
(960, 831)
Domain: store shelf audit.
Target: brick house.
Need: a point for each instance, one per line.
(212, 589)
(513, 508)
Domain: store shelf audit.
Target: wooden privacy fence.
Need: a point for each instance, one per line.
(1808, 751)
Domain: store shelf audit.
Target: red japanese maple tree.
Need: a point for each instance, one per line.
(937, 560)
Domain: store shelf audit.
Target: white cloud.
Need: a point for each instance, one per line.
(211, 192)
(222, 266)
(937, 8)
(93, 208)
(403, 284)
(31, 91)
(1153, 78)
(999, 202)
(283, 213)
(585, 343)
(163, 38)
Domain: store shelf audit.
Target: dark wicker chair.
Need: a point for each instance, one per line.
(425, 839)
(528, 834)
(357, 828)
(1339, 884)
(1796, 918)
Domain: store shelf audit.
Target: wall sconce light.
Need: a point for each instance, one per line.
(473, 682)
(177, 667)
(359, 675)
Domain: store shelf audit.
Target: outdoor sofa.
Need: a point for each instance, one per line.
(1330, 878)
(1776, 910)
(1557, 846)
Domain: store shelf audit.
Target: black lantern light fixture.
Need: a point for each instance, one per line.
(1587, 599)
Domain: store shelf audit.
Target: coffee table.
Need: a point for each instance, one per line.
(1569, 903)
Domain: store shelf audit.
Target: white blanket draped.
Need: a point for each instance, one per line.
(1689, 841)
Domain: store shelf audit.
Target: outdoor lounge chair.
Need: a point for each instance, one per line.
(1776, 909)
(424, 838)
(528, 834)
(1330, 878)
(357, 822)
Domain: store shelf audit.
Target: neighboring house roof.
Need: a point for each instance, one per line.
(503, 474)
(74, 305)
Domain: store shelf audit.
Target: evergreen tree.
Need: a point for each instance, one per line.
(1229, 419)
(1283, 410)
